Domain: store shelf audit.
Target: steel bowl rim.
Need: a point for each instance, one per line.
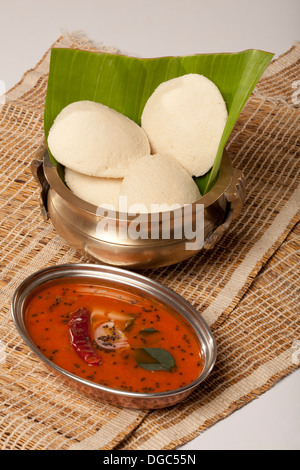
(116, 392)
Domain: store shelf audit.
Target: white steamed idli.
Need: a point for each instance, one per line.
(96, 190)
(185, 118)
(158, 180)
(95, 140)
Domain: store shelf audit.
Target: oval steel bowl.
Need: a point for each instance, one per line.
(135, 283)
(77, 220)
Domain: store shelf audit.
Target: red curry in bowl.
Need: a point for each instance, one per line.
(113, 337)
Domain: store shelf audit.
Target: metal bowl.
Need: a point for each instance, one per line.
(139, 285)
(77, 220)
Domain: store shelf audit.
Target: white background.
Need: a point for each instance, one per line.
(149, 28)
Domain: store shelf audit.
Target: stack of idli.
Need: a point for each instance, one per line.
(107, 155)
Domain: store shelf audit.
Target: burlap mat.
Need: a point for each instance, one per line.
(246, 288)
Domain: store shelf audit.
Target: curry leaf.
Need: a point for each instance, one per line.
(152, 367)
(148, 331)
(125, 83)
(158, 359)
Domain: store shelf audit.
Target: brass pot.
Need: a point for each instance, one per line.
(77, 221)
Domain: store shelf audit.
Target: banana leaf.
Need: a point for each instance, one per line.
(125, 83)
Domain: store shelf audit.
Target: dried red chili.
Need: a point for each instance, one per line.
(79, 333)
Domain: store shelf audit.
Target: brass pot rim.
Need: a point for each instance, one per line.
(56, 183)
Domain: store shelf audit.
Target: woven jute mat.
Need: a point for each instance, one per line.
(247, 288)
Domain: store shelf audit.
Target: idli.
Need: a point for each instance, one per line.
(185, 118)
(95, 140)
(157, 180)
(98, 191)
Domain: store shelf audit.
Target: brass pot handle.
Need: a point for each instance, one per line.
(234, 197)
(37, 171)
